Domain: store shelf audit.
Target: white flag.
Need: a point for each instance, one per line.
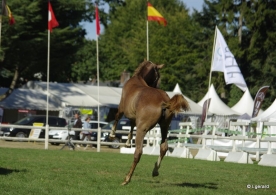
(224, 61)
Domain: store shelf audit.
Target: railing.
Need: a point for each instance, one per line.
(152, 136)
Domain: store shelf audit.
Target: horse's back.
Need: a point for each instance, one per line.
(140, 93)
(139, 100)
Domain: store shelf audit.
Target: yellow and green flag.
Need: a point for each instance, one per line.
(154, 15)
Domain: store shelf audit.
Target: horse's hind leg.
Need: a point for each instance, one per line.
(118, 116)
(163, 150)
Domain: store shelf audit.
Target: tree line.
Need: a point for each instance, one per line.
(185, 45)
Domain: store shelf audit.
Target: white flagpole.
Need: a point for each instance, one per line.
(147, 40)
(214, 46)
(210, 76)
(47, 108)
(98, 81)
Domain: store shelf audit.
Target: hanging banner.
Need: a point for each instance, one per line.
(259, 98)
(224, 61)
(205, 108)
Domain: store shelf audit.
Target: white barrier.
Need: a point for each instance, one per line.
(206, 153)
(239, 150)
(181, 150)
(153, 138)
(234, 155)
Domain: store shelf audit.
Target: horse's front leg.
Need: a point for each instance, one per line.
(118, 116)
(130, 136)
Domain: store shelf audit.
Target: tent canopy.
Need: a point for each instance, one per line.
(269, 113)
(217, 106)
(245, 104)
(106, 94)
(29, 99)
(68, 93)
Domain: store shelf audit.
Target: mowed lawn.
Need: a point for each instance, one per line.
(38, 172)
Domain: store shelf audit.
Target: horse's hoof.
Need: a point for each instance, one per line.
(124, 183)
(155, 173)
(128, 146)
(111, 135)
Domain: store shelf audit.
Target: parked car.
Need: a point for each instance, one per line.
(3, 130)
(118, 137)
(53, 121)
(63, 134)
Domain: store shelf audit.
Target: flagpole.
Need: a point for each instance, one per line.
(147, 40)
(98, 75)
(210, 76)
(98, 86)
(147, 35)
(0, 29)
(47, 107)
(214, 45)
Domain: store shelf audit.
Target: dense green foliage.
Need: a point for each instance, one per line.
(185, 45)
(34, 171)
(182, 47)
(25, 43)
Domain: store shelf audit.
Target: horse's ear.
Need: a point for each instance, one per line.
(160, 66)
(145, 59)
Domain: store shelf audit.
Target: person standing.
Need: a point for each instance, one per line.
(77, 124)
(86, 125)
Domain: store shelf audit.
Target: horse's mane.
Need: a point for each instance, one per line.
(138, 70)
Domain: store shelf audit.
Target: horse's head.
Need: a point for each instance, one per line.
(149, 72)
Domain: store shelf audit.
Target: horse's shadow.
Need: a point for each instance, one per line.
(209, 185)
(198, 185)
(4, 171)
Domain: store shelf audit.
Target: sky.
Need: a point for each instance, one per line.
(91, 27)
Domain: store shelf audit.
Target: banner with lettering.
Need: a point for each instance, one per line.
(259, 98)
(224, 61)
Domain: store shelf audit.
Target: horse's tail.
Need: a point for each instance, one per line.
(176, 104)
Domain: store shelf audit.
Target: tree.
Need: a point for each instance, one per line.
(177, 45)
(248, 29)
(24, 45)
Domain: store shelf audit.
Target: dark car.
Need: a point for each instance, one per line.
(118, 137)
(94, 135)
(53, 121)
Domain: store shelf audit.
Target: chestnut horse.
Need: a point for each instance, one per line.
(145, 106)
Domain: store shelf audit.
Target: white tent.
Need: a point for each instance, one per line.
(217, 106)
(245, 104)
(177, 89)
(87, 95)
(107, 95)
(268, 115)
(69, 94)
(29, 99)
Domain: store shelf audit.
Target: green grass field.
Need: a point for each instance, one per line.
(38, 172)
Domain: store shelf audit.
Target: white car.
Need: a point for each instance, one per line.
(63, 134)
